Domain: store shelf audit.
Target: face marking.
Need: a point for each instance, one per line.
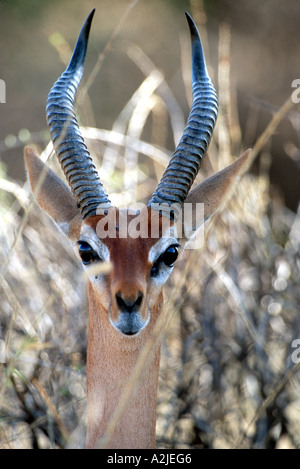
(130, 289)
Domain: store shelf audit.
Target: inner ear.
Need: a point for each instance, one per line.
(209, 196)
(52, 194)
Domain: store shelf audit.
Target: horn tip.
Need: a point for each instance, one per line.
(91, 15)
(192, 26)
(88, 22)
(199, 68)
(78, 57)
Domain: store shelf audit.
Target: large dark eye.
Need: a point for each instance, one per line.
(168, 258)
(86, 253)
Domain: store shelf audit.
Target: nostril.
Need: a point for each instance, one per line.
(128, 304)
(139, 299)
(120, 301)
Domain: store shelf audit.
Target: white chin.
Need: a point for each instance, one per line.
(129, 323)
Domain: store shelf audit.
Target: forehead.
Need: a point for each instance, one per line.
(137, 232)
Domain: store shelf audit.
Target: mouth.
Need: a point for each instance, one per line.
(130, 333)
(129, 324)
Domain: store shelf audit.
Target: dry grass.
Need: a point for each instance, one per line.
(227, 377)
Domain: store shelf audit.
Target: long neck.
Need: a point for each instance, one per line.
(122, 376)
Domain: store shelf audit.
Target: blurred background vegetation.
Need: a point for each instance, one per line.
(227, 377)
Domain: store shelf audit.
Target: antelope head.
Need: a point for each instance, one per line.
(131, 292)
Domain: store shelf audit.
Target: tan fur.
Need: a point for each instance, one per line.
(122, 371)
(111, 363)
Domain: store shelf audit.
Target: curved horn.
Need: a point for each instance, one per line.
(185, 162)
(69, 145)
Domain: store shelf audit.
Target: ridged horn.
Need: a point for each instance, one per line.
(186, 160)
(69, 145)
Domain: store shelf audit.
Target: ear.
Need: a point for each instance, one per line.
(52, 194)
(211, 195)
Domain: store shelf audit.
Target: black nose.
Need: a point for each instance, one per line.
(129, 305)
